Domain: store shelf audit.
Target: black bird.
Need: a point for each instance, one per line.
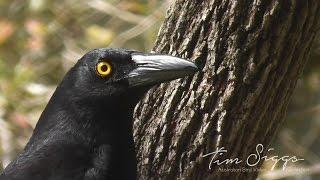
(85, 131)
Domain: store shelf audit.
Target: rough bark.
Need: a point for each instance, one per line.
(251, 53)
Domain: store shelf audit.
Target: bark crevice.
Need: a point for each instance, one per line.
(251, 54)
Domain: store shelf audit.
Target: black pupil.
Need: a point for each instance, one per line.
(104, 68)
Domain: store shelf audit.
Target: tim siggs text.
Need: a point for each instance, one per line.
(252, 160)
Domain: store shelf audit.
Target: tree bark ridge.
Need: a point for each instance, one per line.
(251, 54)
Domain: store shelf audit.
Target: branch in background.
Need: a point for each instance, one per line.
(5, 139)
(114, 11)
(141, 27)
(292, 146)
(71, 53)
(313, 109)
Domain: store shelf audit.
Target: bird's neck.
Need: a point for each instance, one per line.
(111, 135)
(104, 130)
(98, 122)
(103, 121)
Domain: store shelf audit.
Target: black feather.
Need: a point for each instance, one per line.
(85, 131)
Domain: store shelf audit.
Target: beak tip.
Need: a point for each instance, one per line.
(193, 68)
(196, 68)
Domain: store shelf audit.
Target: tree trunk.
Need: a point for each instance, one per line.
(251, 53)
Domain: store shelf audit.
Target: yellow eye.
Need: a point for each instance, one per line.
(103, 69)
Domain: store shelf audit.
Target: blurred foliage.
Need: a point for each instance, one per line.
(41, 39)
(300, 132)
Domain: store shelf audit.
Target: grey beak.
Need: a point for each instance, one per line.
(155, 68)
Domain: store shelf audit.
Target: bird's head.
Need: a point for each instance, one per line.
(106, 73)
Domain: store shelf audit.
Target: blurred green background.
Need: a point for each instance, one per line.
(41, 39)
